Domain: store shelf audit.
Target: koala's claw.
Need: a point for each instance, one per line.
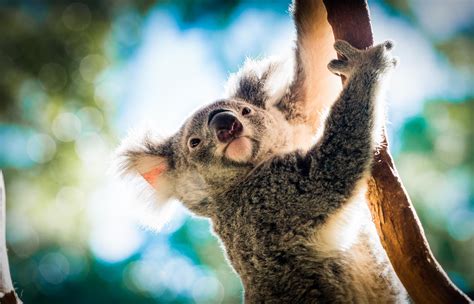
(345, 49)
(395, 61)
(377, 58)
(338, 67)
(388, 44)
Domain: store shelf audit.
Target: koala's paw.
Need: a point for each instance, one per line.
(376, 59)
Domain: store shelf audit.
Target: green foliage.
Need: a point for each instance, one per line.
(436, 165)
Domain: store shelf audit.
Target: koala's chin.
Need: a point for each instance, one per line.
(239, 150)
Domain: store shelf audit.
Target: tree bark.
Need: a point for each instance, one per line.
(397, 223)
(7, 293)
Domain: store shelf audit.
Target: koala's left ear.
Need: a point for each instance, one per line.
(262, 83)
(150, 157)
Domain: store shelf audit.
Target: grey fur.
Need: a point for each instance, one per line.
(272, 208)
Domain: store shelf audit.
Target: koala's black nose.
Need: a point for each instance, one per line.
(225, 125)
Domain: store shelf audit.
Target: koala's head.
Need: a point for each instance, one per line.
(215, 148)
(218, 145)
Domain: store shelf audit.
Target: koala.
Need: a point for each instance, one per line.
(290, 214)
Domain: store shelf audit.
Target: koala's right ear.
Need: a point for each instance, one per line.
(152, 159)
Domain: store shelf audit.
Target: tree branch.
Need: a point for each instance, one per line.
(395, 218)
(7, 293)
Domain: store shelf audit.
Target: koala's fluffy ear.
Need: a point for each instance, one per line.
(152, 159)
(263, 82)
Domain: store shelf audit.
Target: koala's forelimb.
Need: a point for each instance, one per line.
(313, 88)
(344, 153)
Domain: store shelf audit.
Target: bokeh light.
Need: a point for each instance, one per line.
(41, 148)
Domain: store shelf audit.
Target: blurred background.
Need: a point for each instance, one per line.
(75, 77)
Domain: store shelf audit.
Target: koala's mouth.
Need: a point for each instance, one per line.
(239, 149)
(229, 133)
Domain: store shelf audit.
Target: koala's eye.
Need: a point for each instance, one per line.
(194, 142)
(246, 111)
